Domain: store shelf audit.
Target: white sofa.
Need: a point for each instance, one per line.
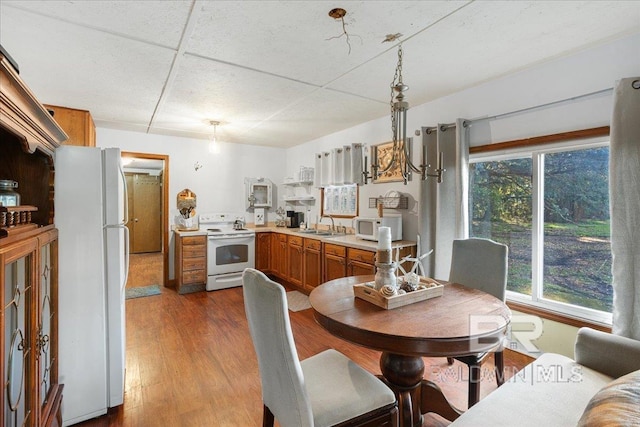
(554, 390)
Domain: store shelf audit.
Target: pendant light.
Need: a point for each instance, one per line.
(213, 144)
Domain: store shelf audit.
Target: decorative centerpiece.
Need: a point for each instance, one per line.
(385, 267)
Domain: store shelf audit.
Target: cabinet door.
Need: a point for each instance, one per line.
(279, 255)
(77, 124)
(49, 391)
(334, 267)
(18, 306)
(312, 264)
(357, 268)
(295, 259)
(263, 252)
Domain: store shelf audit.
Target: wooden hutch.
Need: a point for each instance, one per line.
(30, 391)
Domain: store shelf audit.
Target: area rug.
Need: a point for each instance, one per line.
(297, 301)
(142, 291)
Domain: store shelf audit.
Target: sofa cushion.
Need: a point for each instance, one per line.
(617, 404)
(552, 390)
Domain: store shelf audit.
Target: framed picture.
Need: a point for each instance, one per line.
(340, 201)
(382, 155)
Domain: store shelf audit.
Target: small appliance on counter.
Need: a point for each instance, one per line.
(294, 219)
(368, 228)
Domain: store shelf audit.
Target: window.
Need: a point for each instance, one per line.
(551, 207)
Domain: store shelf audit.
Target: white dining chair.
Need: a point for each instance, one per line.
(327, 389)
(480, 264)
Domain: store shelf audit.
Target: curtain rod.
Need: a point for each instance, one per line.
(537, 107)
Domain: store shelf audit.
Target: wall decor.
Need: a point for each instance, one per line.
(340, 201)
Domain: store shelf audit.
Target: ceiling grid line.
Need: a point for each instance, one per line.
(191, 23)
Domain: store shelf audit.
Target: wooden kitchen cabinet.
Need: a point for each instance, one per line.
(279, 255)
(263, 252)
(360, 262)
(295, 258)
(312, 275)
(191, 263)
(335, 263)
(77, 124)
(31, 393)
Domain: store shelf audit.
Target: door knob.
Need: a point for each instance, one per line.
(135, 219)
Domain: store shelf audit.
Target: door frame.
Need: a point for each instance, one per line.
(165, 206)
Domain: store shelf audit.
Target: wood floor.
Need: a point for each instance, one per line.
(145, 269)
(190, 362)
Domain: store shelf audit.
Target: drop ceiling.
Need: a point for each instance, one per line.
(281, 73)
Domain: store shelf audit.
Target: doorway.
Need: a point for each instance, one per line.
(147, 188)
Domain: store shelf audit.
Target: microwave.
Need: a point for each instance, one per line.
(367, 228)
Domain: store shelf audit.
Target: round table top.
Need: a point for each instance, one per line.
(461, 322)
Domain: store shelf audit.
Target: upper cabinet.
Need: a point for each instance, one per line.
(77, 124)
(28, 138)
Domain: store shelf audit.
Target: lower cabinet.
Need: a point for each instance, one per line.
(312, 264)
(263, 252)
(191, 263)
(279, 255)
(31, 394)
(360, 262)
(307, 262)
(295, 259)
(335, 264)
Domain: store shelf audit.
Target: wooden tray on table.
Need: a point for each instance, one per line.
(366, 292)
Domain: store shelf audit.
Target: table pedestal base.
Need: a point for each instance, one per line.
(416, 396)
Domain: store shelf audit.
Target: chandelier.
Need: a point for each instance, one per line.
(400, 157)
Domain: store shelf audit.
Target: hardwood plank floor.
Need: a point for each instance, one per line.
(190, 362)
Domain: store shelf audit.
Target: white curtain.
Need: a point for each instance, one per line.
(624, 195)
(444, 207)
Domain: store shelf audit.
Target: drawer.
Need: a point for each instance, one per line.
(194, 240)
(194, 276)
(334, 249)
(295, 240)
(362, 255)
(312, 244)
(194, 251)
(194, 263)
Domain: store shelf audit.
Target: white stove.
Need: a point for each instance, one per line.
(230, 249)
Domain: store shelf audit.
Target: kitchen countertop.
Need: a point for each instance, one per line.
(186, 233)
(348, 240)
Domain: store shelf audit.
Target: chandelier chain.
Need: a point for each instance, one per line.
(397, 80)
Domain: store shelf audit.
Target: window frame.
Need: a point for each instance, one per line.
(535, 149)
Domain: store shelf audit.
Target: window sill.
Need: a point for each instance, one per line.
(557, 316)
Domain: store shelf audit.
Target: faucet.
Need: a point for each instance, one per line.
(333, 226)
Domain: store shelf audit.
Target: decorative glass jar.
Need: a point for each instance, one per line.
(8, 195)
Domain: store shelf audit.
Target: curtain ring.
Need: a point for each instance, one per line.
(635, 84)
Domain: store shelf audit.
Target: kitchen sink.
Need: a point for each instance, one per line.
(321, 233)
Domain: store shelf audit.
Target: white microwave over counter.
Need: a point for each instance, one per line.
(367, 228)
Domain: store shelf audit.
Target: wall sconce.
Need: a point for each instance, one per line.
(401, 152)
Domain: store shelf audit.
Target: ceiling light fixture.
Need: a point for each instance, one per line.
(213, 144)
(401, 151)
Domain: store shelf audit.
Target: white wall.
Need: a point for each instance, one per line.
(218, 184)
(582, 73)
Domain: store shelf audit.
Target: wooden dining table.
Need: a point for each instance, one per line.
(461, 322)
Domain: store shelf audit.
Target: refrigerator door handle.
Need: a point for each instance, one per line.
(126, 255)
(126, 196)
(126, 251)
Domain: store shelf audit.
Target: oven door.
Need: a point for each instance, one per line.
(229, 254)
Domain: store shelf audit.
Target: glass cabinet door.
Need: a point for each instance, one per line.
(18, 294)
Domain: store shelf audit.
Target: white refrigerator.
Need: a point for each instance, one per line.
(93, 261)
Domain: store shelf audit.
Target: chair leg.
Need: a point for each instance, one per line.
(499, 362)
(267, 417)
(474, 385)
(450, 360)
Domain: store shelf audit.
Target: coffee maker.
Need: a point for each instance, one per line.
(294, 219)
